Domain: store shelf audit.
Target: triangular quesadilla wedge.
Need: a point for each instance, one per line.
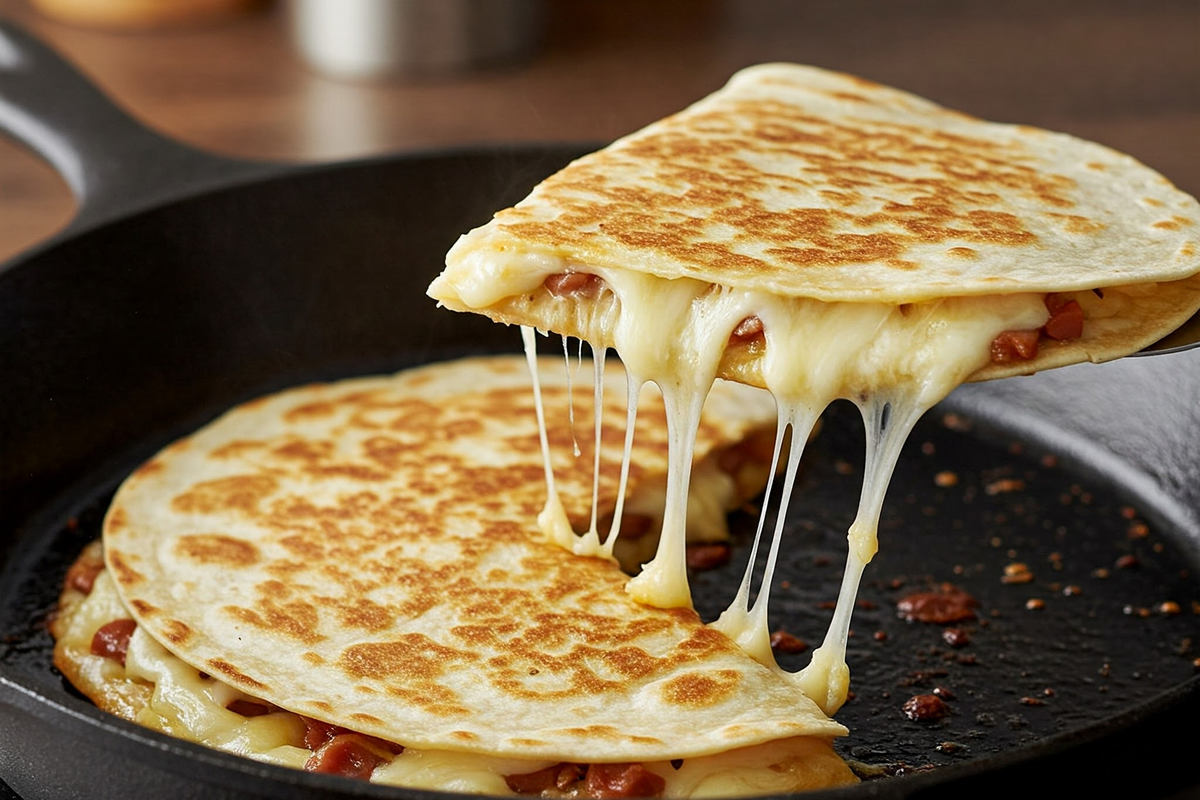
(796, 183)
(828, 237)
(350, 574)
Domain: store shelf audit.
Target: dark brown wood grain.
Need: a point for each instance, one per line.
(1123, 73)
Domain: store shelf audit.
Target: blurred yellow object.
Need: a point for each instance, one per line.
(141, 13)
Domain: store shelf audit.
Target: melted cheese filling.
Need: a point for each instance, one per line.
(893, 361)
(181, 701)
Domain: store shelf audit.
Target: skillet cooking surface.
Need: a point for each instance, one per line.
(133, 330)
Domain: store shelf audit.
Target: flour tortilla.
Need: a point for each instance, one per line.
(800, 182)
(365, 553)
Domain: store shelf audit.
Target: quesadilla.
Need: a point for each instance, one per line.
(348, 577)
(828, 237)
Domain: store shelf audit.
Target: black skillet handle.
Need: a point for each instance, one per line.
(113, 164)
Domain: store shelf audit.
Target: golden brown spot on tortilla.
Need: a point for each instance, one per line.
(465, 736)
(595, 731)
(1174, 223)
(366, 614)
(307, 411)
(854, 98)
(122, 571)
(315, 659)
(962, 252)
(1187, 249)
(697, 690)
(1096, 165)
(1073, 223)
(304, 450)
(143, 608)
(367, 718)
(151, 467)
(321, 705)
(215, 548)
(116, 520)
(528, 742)
(1152, 201)
(233, 674)
(237, 493)
(237, 448)
(174, 631)
(278, 614)
(413, 656)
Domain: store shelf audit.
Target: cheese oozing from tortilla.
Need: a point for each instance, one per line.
(893, 361)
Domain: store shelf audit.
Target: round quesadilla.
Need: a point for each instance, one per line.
(351, 573)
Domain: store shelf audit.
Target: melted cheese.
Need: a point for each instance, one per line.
(183, 702)
(894, 361)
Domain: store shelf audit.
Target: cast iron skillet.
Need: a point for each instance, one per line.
(188, 283)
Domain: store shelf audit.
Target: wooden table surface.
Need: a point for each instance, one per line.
(1124, 73)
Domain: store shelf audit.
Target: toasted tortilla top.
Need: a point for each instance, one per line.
(796, 184)
(809, 183)
(365, 553)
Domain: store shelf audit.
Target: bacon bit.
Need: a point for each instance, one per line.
(784, 642)
(1138, 530)
(82, 575)
(112, 640)
(1169, 607)
(317, 734)
(1127, 561)
(1017, 572)
(1066, 318)
(560, 776)
(349, 755)
(748, 330)
(1032, 701)
(949, 604)
(577, 284)
(1004, 486)
(1011, 346)
(1035, 604)
(248, 708)
(956, 637)
(925, 708)
(880, 636)
(622, 780)
(707, 556)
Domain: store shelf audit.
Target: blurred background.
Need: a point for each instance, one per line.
(314, 80)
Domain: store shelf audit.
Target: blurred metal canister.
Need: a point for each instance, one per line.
(364, 39)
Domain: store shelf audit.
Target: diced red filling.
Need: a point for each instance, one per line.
(340, 751)
(574, 284)
(748, 330)
(82, 575)
(561, 777)
(1066, 322)
(622, 780)
(350, 755)
(1066, 318)
(112, 640)
(597, 781)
